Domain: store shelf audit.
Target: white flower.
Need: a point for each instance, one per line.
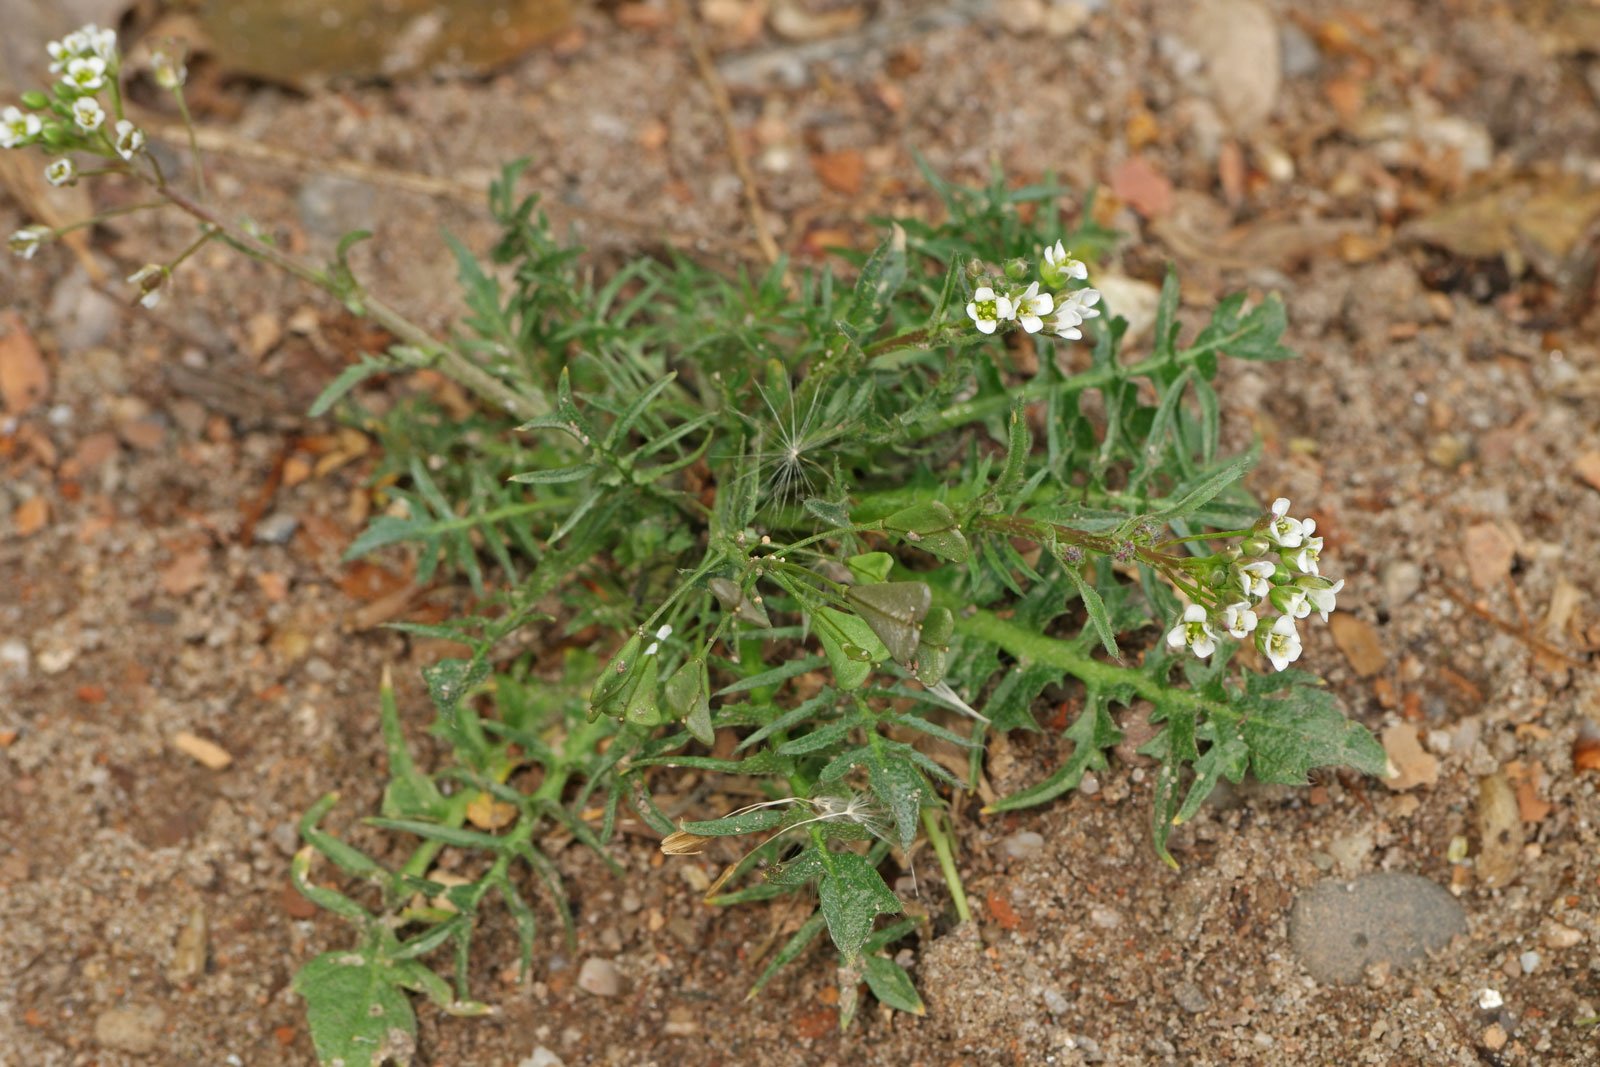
(1031, 304)
(61, 172)
(1239, 620)
(18, 127)
(102, 42)
(87, 113)
(1306, 560)
(1059, 265)
(1291, 601)
(989, 310)
(1253, 578)
(73, 46)
(25, 242)
(169, 73)
(129, 140)
(149, 279)
(1194, 631)
(1081, 302)
(1282, 529)
(1066, 325)
(1322, 598)
(86, 75)
(1281, 644)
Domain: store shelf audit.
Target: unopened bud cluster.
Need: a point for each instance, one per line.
(1003, 299)
(1276, 567)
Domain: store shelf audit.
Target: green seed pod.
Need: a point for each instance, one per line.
(34, 100)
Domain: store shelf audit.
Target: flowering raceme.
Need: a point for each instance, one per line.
(1286, 546)
(1003, 299)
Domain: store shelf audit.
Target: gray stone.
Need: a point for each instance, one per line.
(277, 528)
(1022, 845)
(1298, 53)
(600, 977)
(1337, 928)
(1401, 580)
(1191, 998)
(130, 1029)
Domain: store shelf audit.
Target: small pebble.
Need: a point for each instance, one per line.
(599, 977)
(542, 1057)
(1490, 999)
(1055, 1001)
(1104, 917)
(1191, 998)
(1529, 961)
(1558, 936)
(132, 1029)
(14, 658)
(277, 528)
(56, 660)
(1494, 1038)
(1024, 844)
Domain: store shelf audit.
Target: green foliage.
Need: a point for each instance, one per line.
(840, 525)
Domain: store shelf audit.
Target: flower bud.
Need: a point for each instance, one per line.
(34, 100)
(1254, 546)
(1017, 269)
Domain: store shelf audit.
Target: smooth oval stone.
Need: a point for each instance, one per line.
(1340, 928)
(305, 42)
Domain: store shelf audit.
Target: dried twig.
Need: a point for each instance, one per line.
(730, 133)
(1536, 643)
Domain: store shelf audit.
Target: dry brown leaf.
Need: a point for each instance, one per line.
(208, 754)
(31, 516)
(1136, 182)
(24, 378)
(487, 813)
(1587, 467)
(843, 172)
(1358, 640)
(1412, 764)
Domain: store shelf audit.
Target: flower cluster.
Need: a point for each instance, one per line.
(1031, 308)
(1278, 565)
(82, 112)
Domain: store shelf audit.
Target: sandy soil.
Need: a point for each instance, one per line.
(182, 573)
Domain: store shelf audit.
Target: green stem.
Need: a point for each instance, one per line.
(1031, 646)
(947, 864)
(457, 366)
(194, 144)
(113, 213)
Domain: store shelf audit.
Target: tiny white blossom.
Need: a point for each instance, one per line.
(26, 241)
(1059, 266)
(61, 172)
(149, 279)
(1239, 620)
(1029, 305)
(17, 127)
(86, 75)
(1322, 599)
(129, 139)
(1283, 530)
(88, 114)
(73, 46)
(1281, 644)
(1253, 578)
(1194, 631)
(1310, 555)
(988, 309)
(1081, 302)
(103, 43)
